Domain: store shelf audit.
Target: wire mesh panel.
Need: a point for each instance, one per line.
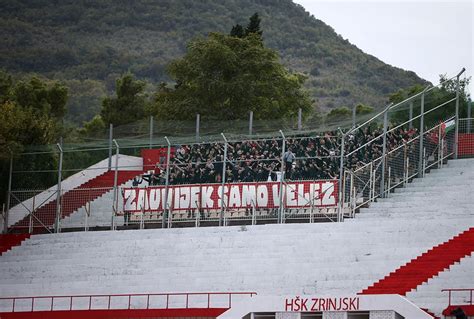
(466, 138)
(32, 210)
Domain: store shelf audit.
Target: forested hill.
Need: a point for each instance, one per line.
(90, 43)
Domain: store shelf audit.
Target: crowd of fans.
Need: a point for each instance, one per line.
(305, 158)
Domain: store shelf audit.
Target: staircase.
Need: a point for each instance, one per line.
(74, 199)
(443, 194)
(7, 241)
(424, 267)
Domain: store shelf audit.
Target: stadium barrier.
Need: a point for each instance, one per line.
(157, 301)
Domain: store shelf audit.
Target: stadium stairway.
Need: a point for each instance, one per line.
(98, 213)
(425, 266)
(443, 193)
(76, 198)
(8, 241)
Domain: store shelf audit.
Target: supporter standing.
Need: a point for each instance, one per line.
(288, 159)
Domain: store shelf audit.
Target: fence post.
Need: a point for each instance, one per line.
(282, 174)
(354, 110)
(384, 152)
(370, 181)
(111, 136)
(198, 119)
(167, 182)
(456, 133)
(440, 147)
(300, 115)
(10, 174)
(151, 132)
(341, 176)
(251, 123)
(221, 217)
(410, 115)
(58, 195)
(115, 204)
(422, 132)
(469, 105)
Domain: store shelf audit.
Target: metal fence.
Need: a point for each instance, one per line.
(328, 175)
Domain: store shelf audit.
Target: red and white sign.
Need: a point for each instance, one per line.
(240, 195)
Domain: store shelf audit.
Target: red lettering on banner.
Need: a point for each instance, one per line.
(289, 305)
(322, 304)
(314, 307)
(305, 194)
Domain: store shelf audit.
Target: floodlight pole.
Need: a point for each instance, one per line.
(456, 133)
(221, 218)
(166, 214)
(58, 195)
(10, 174)
(281, 210)
(115, 204)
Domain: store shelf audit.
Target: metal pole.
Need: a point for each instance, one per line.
(410, 116)
(354, 110)
(115, 205)
(300, 115)
(58, 195)
(10, 173)
(282, 172)
(341, 170)
(384, 153)
(221, 218)
(251, 123)
(388, 182)
(167, 182)
(422, 130)
(469, 105)
(198, 119)
(370, 181)
(456, 133)
(151, 132)
(111, 136)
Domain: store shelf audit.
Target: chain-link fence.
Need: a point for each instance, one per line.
(395, 153)
(219, 176)
(466, 138)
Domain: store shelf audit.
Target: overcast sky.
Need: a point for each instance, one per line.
(425, 36)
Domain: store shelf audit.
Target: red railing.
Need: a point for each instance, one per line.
(451, 290)
(13, 301)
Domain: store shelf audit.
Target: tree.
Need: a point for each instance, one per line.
(224, 77)
(339, 114)
(31, 114)
(237, 31)
(94, 127)
(254, 25)
(128, 105)
(362, 109)
(436, 96)
(41, 97)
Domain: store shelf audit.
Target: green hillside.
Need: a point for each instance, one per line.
(88, 44)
